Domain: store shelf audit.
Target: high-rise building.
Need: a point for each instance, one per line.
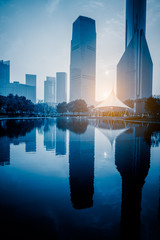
(61, 87)
(4, 75)
(49, 90)
(83, 60)
(135, 69)
(31, 81)
(27, 90)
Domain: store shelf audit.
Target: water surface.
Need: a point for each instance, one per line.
(75, 178)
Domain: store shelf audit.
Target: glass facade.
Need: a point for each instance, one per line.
(83, 60)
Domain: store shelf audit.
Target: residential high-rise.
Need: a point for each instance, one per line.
(31, 81)
(135, 69)
(49, 90)
(83, 60)
(61, 87)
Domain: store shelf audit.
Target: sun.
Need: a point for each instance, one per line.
(107, 72)
(105, 95)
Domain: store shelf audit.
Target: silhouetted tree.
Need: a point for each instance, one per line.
(77, 106)
(62, 107)
(152, 106)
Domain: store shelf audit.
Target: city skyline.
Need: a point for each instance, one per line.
(27, 38)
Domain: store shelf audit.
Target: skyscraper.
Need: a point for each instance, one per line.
(27, 90)
(49, 90)
(135, 69)
(4, 76)
(31, 81)
(83, 60)
(61, 87)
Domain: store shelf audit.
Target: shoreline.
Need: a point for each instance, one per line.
(89, 117)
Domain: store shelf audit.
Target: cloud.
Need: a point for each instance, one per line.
(52, 6)
(92, 5)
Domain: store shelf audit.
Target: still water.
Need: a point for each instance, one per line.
(79, 179)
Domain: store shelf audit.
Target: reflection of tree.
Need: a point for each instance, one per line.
(16, 128)
(153, 130)
(75, 125)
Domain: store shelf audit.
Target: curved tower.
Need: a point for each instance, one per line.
(135, 69)
(135, 18)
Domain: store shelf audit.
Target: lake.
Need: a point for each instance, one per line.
(79, 179)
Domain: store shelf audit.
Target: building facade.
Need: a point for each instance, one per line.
(50, 90)
(83, 60)
(27, 90)
(135, 69)
(31, 80)
(61, 87)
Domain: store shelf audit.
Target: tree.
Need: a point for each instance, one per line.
(77, 106)
(81, 106)
(2, 101)
(152, 106)
(62, 107)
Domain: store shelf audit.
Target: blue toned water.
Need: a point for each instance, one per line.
(75, 178)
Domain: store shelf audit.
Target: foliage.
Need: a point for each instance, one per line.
(15, 105)
(152, 106)
(62, 107)
(77, 106)
(129, 103)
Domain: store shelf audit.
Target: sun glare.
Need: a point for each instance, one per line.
(107, 72)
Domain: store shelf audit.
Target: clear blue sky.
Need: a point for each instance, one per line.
(35, 35)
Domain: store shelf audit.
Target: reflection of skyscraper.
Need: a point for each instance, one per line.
(4, 151)
(49, 90)
(132, 156)
(61, 138)
(29, 139)
(134, 71)
(83, 60)
(81, 165)
(61, 87)
(49, 135)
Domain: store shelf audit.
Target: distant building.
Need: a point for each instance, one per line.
(49, 90)
(61, 87)
(135, 69)
(27, 90)
(83, 60)
(31, 80)
(19, 89)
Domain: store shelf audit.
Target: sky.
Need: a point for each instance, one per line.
(35, 35)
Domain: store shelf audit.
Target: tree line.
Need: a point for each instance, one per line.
(77, 106)
(15, 105)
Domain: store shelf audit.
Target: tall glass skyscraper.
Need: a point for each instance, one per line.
(135, 69)
(83, 60)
